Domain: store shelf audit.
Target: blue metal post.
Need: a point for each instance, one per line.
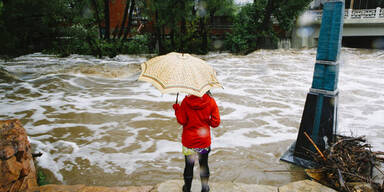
(319, 118)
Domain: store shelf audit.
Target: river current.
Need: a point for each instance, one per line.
(96, 124)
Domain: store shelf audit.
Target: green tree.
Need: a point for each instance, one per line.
(207, 10)
(255, 26)
(30, 25)
(61, 27)
(287, 12)
(246, 29)
(220, 8)
(73, 26)
(186, 22)
(173, 15)
(96, 13)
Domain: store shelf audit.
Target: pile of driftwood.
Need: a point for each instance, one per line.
(347, 161)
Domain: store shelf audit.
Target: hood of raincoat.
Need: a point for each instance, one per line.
(195, 102)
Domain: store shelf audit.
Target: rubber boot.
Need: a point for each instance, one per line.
(187, 184)
(204, 183)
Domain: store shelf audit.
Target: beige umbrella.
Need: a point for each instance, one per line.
(177, 72)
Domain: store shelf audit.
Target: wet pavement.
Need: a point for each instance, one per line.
(176, 185)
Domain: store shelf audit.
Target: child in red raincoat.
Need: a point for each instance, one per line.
(197, 115)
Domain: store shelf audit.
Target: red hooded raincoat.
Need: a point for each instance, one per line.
(197, 115)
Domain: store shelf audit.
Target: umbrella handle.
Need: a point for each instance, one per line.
(177, 96)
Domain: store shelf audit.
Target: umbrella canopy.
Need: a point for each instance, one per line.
(176, 72)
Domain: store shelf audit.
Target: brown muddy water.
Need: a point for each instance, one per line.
(97, 125)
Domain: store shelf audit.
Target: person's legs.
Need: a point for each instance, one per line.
(204, 172)
(188, 172)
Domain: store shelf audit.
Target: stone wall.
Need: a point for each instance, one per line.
(17, 170)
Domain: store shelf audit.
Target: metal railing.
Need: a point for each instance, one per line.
(355, 13)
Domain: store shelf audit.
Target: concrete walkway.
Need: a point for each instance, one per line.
(299, 186)
(176, 185)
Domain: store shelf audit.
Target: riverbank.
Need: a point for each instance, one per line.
(176, 185)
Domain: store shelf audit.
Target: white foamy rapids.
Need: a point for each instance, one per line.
(63, 155)
(361, 109)
(85, 113)
(37, 65)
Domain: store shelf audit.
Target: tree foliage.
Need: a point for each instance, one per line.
(183, 25)
(60, 26)
(31, 24)
(73, 26)
(260, 24)
(245, 30)
(287, 13)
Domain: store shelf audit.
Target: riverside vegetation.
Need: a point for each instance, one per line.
(67, 27)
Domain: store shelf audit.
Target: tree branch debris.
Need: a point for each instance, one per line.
(348, 160)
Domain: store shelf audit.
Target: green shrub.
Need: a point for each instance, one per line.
(41, 178)
(138, 44)
(85, 41)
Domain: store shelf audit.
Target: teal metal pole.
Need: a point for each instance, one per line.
(319, 118)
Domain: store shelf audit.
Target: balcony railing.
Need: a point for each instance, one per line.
(355, 13)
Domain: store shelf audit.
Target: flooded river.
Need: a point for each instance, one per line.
(96, 124)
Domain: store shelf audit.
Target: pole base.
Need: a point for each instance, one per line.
(289, 157)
